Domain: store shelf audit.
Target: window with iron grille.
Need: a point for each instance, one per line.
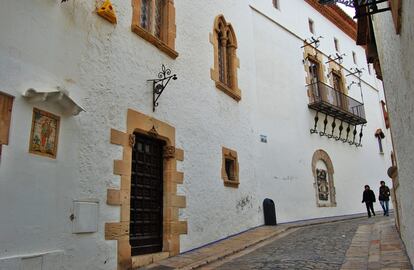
(152, 16)
(154, 21)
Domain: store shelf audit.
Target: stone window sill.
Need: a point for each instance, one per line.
(234, 93)
(326, 204)
(154, 41)
(230, 183)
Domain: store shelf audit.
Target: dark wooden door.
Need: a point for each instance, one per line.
(146, 196)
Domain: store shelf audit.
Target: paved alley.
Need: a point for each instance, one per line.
(344, 243)
(354, 244)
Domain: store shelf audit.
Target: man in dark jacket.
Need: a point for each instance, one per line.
(384, 197)
(368, 197)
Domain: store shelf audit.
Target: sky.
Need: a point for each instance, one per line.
(350, 11)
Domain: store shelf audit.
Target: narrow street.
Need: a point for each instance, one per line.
(354, 244)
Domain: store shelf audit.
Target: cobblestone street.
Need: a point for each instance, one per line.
(321, 247)
(346, 243)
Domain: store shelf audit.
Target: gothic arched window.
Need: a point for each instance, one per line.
(226, 63)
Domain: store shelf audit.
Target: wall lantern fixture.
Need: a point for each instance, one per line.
(159, 84)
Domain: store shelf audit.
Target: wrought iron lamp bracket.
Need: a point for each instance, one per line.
(339, 57)
(159, 84)
(352, 83)
(312, 41)
(355, 71)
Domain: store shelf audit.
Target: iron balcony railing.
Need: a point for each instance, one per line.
(328, 100)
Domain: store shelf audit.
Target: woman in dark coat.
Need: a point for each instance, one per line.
(368, 197)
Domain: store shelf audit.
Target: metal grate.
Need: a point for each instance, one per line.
(146, 196)
(326, 99)
(159, 13)
(145, 14)
(221, 56)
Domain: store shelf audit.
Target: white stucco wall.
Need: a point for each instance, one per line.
(396, 53)
(106, 68)
(283, 115)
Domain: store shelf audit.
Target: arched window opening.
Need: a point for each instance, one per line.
(225, 59)
(322, 170)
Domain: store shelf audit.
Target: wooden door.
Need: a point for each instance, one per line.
(146, 217)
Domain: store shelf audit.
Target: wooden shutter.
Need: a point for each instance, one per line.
(396, 14)
(6, 104)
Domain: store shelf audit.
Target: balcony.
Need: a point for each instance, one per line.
(325, 99)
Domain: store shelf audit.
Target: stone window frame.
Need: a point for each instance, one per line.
(335, 68)
(6, 102)
(168, 28)
(172, 226)
(396, 10)
(225, 30)
(323, 156)
(315, 55)
(385, 114)
(276, 4)
(229, 154)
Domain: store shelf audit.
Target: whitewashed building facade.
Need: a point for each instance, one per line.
(89, 166)
(394, 33)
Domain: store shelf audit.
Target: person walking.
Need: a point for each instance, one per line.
(384, 197)
(368, 197)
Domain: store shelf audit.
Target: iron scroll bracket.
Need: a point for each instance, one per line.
(312, 42)
(159, 84)
(338, 57)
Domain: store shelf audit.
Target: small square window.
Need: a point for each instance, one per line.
(230, 168)
(354, 57)
(311, 26)
(369, 68)
(276, 4)
(336, 43)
